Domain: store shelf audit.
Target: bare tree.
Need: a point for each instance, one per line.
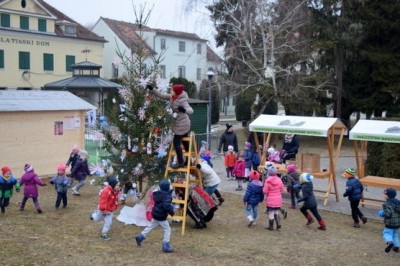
(266, 47)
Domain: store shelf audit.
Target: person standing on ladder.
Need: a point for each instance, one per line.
(181, 123)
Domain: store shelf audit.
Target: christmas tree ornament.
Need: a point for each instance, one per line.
(142, 114)
(148, 148)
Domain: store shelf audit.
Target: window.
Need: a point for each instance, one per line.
(42, 25)
(114, 67)
(199, 48)
(48, 62)
(24, 60)
(1, 58)
(198, 73)
(69, 61)
(162, 44)
(163, 72)
(71, 30)
(5, 20)
(24, 23)
(182, 46)
(182, 71)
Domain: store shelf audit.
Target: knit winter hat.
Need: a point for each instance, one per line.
(28, 167)
(83, 154)
(267, 166)
(75, 148)
(254, 175)
(247, 144)
(306, 177)
(228, 126)
(271, 150)
(230, 148)
(112, 181)
(272, 171)
(291, 168)
(61, 167)
(164, 185)
(5, 169)
(349, 172)
(390, 192)
(178, 88)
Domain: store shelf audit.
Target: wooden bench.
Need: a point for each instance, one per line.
(378, 181)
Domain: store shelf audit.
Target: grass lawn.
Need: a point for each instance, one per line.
(68, 237)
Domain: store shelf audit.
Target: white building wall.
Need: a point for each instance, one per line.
(172, 58)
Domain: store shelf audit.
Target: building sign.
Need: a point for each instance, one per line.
(23, 41)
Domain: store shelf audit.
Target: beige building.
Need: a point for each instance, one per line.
(38, 45)
(41, 127)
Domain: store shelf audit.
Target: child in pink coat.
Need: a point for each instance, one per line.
(273, 189)
(239, 171)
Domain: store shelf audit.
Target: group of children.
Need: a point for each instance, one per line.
(273, 187)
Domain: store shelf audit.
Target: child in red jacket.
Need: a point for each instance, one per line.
(230, 161)
(239, 171)
(108, 203)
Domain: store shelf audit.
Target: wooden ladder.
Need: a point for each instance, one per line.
(184, 177)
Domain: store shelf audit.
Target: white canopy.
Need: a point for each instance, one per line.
(300, 125)
(376, 130)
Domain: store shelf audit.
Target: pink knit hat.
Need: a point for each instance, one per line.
(254, 175)
(61, 167)
(291, 168)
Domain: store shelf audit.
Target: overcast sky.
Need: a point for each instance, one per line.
(166, 14)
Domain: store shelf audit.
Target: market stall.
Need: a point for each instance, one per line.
(330, 128)
(379, 131)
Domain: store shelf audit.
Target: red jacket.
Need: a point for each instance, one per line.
(108, 199)
(230, 159)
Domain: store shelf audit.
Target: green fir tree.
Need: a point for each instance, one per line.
(138, 131)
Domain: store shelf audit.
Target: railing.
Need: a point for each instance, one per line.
(94, 144)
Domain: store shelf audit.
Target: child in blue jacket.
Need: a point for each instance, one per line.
(253, 196)
(354, 192)
(162, 207)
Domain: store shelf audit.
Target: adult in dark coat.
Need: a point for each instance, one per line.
(228, 138)
(290, 147)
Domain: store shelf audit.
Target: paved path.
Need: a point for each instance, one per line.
(342, 206)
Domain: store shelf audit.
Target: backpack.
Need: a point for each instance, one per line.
(256, 159)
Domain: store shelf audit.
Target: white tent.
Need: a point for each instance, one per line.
(376, 130)
(327, 127)
(300, 125)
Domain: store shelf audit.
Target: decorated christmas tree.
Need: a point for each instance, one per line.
(138, 132)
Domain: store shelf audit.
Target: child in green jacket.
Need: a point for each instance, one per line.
(7, 184)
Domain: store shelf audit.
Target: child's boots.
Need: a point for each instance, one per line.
(271, 225)
(278, 221)
(310, 220)
(166, 248)
(139, 239)
(251, 220)
(322, 225)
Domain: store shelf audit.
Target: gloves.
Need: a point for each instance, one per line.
(198, 166)
(149, 87)
(297, 186)
(381, 213)
(181, 109)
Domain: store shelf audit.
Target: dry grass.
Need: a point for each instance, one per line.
(68, 237)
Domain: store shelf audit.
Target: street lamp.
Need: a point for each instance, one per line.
(210, 75)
